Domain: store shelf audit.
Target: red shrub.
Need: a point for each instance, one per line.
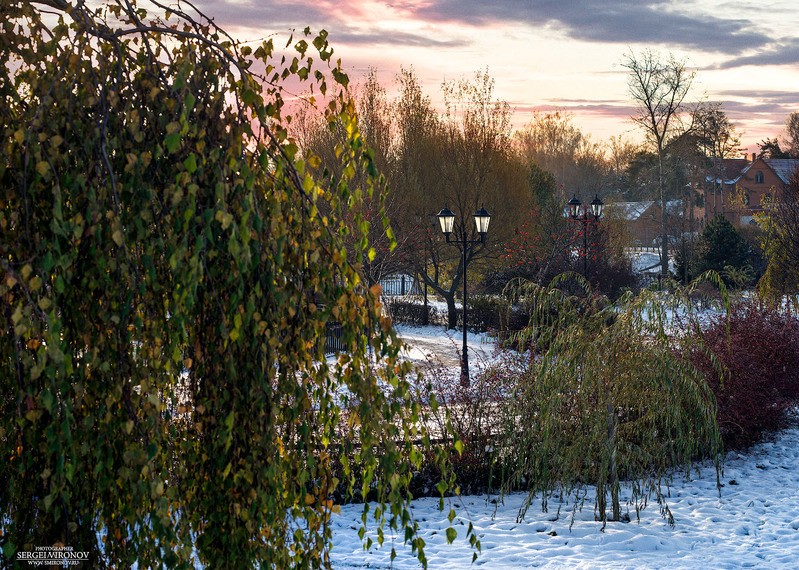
(760, 383)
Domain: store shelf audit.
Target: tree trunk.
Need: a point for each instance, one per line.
(664, 237)
(452, 311)
(614, 474)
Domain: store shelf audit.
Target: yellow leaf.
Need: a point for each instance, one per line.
(118, 237)
(42, 167)
(56, 141)
(33, 415)
(19, 136)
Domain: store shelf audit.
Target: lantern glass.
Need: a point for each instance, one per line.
(574, 207)
(446, 219)
(481, 219)
(596, 207)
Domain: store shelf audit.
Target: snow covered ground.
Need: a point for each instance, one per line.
(752, 523)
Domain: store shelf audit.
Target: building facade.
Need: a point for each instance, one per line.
(740, 194)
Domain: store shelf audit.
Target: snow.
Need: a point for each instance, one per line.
(751, 522)
(436, 345)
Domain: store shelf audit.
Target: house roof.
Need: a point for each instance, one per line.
(632, 211)
(783, 167)
(728, 170)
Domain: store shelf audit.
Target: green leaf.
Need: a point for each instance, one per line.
(340, 77)
(452, 534)
(47, 400)
(190, 164)
(172, 142)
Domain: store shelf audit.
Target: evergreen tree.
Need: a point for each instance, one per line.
(723, 249)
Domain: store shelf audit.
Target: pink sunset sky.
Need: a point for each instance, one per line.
(557, 54)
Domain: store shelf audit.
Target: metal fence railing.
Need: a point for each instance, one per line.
(333, 342)
(398, 285)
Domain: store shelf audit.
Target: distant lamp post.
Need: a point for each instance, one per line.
(585, 218)
(446, 220)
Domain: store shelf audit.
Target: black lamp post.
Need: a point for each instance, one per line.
(446, 220)
(596, 212)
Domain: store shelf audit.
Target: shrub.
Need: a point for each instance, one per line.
(604, 397)
(411, 312)
(495, 313)
(472, 413)
(486, 313)
(757, 382)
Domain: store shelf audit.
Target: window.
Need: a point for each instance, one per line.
(759, 177)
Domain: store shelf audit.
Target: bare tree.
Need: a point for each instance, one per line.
(658, 88)
(553, 143)
(717, 139)
(461, 160)
(319, 136)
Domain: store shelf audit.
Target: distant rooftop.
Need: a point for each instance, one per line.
(632, 211)
(783, 167)
(728, 170)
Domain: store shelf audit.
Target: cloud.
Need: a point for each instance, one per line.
(579, 108)
(778, 53)
(787, 98)
(770, 106)
(348, 22)
(393, 38)
(281, 15)
(621, 21)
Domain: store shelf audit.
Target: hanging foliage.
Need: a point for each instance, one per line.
(605, 398)
(165, 279)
